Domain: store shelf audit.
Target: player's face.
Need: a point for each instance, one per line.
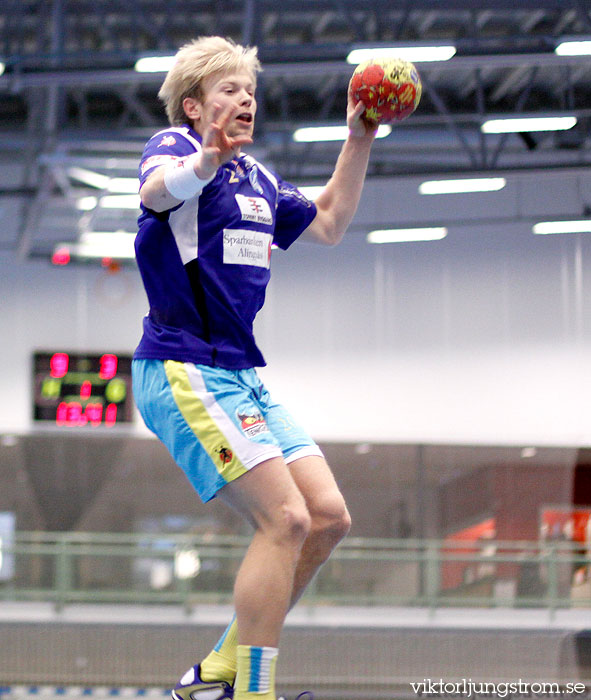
(235, 90)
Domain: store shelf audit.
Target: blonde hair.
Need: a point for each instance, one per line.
(196, 60)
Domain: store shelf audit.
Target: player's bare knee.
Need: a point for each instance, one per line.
(338, 527)
(343, 526)
(332, 521)
(296, 523)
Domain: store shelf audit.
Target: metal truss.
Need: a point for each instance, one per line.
(70, 96)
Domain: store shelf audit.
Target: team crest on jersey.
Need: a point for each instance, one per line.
(253, 177)
(167, 141)
(255, 209)
(252, 424)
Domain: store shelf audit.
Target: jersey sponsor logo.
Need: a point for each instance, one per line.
(167, 141)
(255, 209)
(153, 161)
(243, 247)
(252, 424)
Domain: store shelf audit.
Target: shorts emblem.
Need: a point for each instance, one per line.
(252, 424)
(226, 455)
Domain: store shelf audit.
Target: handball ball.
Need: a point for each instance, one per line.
(390, 89)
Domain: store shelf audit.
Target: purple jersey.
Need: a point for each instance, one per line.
(205, 263)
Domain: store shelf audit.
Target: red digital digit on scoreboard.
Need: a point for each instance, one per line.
(111, 414)
(59, 364)
(70, 413)
(108, 366)
(94, 413)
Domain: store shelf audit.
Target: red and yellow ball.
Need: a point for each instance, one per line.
(390, 89)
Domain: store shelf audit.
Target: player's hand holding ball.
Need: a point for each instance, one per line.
(389, 89)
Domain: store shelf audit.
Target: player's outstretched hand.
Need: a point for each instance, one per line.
(217, 146)
(358, 127)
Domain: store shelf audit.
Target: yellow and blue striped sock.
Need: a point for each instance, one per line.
(255, 678)
(220, 663)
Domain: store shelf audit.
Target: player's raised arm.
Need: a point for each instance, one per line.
(337, 203)
(381, 91)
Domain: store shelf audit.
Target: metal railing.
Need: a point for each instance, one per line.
(187, 570)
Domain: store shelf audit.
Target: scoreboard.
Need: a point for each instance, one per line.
(81, 389)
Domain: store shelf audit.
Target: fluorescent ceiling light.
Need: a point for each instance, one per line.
(123, 185)
(154, 64)
(311, 134)
(2, 67)
(548, 227)
(515, 125)
(109, 201)
(415, 54)
(120, 201)
(401, 235)
(89, 177)
(86, 203)
(119, 185)
(476, 184)
(573, 48)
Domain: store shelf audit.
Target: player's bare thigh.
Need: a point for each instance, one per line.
(266, 495)
(321, 493)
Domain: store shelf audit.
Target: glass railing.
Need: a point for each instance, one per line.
(189, 570)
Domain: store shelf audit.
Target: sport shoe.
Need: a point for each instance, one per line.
(191, 687)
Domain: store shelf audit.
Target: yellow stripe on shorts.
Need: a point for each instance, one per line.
(206, 429)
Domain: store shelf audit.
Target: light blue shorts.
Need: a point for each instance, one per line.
(216, 423)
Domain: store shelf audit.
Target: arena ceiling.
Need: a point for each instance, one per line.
(71, 101)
